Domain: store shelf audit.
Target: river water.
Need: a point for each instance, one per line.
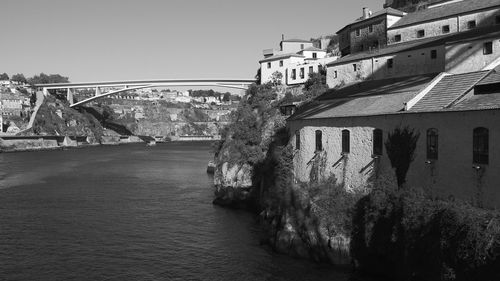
(129, 212)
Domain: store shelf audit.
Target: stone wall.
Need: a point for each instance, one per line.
(452, 175)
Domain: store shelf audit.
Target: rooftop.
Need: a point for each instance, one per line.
(445, 11)
(448, 90)
(386, 11)
(312, 49)
(280, 56)
(366, 98)
(296, 40)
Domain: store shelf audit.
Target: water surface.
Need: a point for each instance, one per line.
(129, 212)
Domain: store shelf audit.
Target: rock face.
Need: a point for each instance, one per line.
(233, 185)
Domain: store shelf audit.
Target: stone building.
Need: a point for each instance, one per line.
(455, 53)
(368, 32)
(456, 115)
(445, 18)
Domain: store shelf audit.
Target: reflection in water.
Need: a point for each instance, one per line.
(129, 213)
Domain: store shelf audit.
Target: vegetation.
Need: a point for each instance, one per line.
(4, 76)
(19, 78)
(400, 146)
(406, 236)
(43, 78)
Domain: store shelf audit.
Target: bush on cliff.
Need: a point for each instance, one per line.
(405, 236)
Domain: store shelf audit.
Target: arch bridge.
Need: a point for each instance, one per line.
(116, 87)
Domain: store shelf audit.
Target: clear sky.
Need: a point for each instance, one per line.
(98, 40)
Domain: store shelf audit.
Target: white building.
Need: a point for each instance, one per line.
(295, 60)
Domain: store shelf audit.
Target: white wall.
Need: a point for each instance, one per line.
(452, 175)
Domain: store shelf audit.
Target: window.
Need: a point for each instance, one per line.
(390, 63)
(294, 74)
(480, 145)
(471, 24)
(497, 19)
(434, 54)
(269, 65)
(281, 63)
(355, 67)
(358, 32)
(378, 142)
(420, 33)
(370, 28)
(319, 140)
(487, 48)
(335, 74)
(346, 146)
(311, 70)
(297, 139)
(301, 73)
(302, 46)
(397, 38)
(315, 55)
(445, 29)
(432, 144)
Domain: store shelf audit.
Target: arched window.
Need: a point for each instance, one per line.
(432, 144)
(346, 138)
(319, 140)
(297, 139)
(378, 141)
(480, 145)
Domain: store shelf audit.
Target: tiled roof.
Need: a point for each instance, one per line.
(492, 78)
(388, 11)
(365, 98)
(444, 11)
(297, 40)
(479, 102)
(448, 90)
(314, 49)
(421, 43)
(280, 56)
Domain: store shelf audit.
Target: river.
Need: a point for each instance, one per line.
(129, 212)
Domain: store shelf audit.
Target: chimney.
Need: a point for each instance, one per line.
(366, 13)
(282, 37)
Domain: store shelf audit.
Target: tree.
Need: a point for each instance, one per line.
(276, 78)
(257, 77)
(227, 97)
(43, 78)
(400, 146)
(19, 78)
(316, 84)
(4, 76)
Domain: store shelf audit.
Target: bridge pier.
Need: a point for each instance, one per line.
(69, 96)
(97, 91)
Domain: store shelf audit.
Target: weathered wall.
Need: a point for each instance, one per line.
(434, 28)
(415, 62)
(293, 47)
(367, 40)
(467, 57)
(452, 175)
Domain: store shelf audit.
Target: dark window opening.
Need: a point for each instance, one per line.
(355, 67)
(346, 138)
(378, 142)
(297, 139)
(487, 48)
(420, 33)
(480, 145)
(301, 73)
(335, 74)
(433, 54)
(294, 74)
(497, 19)
(446, 29)
(268, 65)
(432, 144)
(302, 46)
(281, 63)
(397, 38)
(319, 140)
(471, 24)
(311, 70)
(390, 63)
(357, 32)
(315, 55)
(370, 28)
